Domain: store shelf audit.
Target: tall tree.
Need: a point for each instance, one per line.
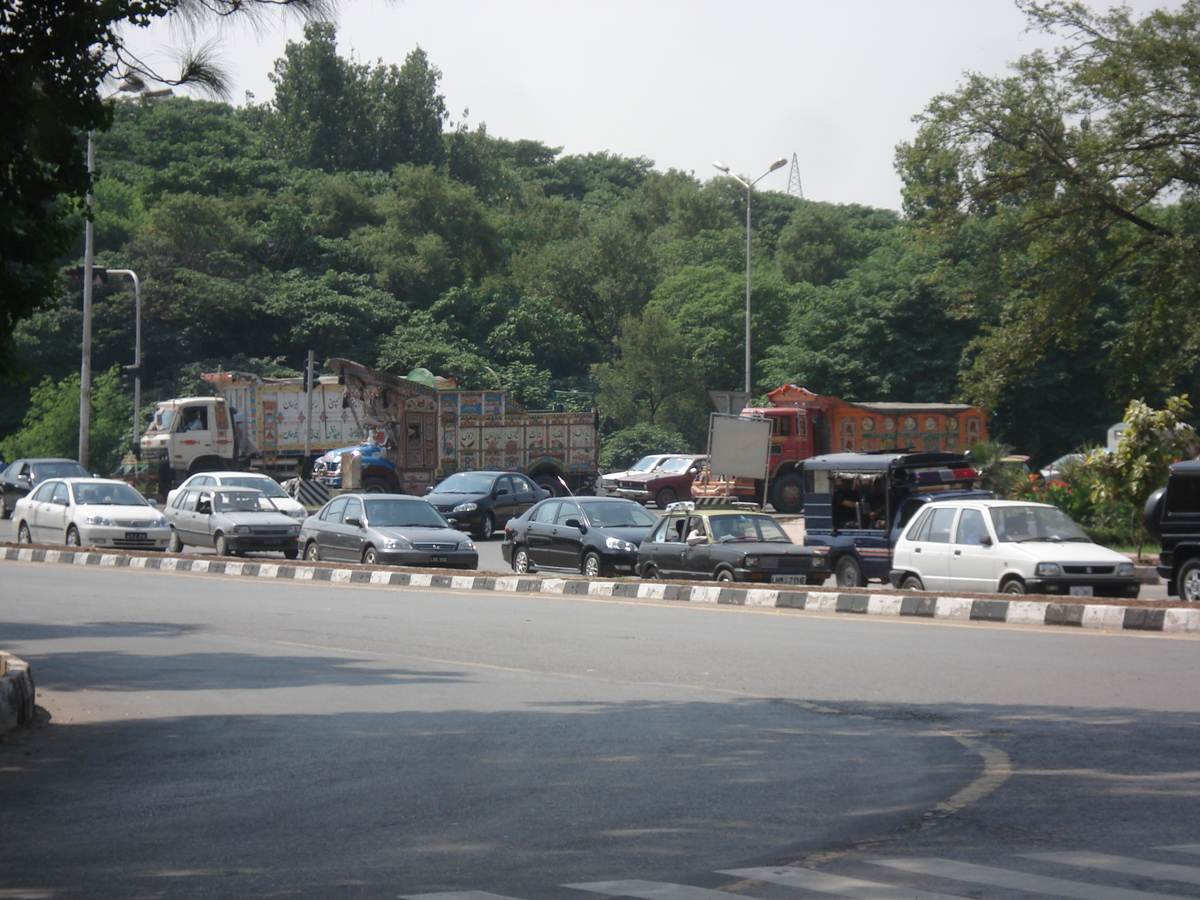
(1082, 163)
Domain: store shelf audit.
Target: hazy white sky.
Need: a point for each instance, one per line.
(683, 82)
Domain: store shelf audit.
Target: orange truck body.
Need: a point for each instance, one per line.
(807, 424)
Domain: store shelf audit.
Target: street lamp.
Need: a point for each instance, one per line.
(749, 186)
(137, 347)
(132, 85)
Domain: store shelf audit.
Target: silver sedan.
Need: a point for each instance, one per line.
(92, 512)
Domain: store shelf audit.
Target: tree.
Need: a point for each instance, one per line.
(51, 426)
(1153, 439)
(1081, 164)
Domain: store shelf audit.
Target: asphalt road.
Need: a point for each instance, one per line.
(219, 737)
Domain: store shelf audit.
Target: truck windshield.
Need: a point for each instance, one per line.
(163, 417)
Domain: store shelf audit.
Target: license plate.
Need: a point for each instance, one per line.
(135, 535)
(789, 579)
(1082, 591)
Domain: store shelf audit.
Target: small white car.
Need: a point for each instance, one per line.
(280, 499)
(90, 512)
(1008, 547)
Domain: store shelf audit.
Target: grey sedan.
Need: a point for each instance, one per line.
(232, 520)
(385, 528)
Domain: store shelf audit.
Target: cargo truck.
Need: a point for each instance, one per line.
(410, 433)
(805, 424)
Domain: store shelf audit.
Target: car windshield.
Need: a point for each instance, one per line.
(241, 501)
(403, 514)
(466, 483)
(617, 515)
(645, 464)
(1035, 523)
(59, 470)
(747, 527)
(104, 494)
(677, 465)
(268, 486)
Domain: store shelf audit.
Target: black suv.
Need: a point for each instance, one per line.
(1173, 516)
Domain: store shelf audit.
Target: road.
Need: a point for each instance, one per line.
(218, 737)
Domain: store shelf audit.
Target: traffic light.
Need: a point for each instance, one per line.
(129, 374)
(99, 275)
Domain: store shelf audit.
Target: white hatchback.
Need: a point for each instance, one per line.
(282, 501)
(1008, 547)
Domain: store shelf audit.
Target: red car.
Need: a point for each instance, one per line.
(664, 485)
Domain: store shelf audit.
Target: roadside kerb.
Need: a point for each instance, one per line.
(963, 609)
(16, 693)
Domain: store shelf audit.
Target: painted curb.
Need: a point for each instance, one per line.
(964, 609)
(16, 693)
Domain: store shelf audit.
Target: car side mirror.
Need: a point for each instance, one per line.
(429, 490)
(353, 520)
(985, 541)
(501, 492)
(24, 476)
(575, 523)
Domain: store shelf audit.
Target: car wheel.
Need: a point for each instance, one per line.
(591, 566)
(912, 583)
(849, 573)
(1189, 581)
(370, 557)
(520, 561)
(724, 576)
(665, 497)
(23, 535)
(1013, 586)
(487, 527)
(73, 537)
(221, 544)
(175, 545)
(651, 572)
(312, 552)
(290, 554)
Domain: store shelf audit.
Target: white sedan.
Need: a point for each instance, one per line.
(90, 512)
(281, 501)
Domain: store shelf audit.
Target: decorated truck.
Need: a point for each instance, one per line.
(805, 424)
(408, 432)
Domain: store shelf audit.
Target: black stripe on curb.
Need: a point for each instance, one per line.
(919, 606)
(989, 610)
(1064, 614)
(855, 603)
(1140, 619)
(791, 600)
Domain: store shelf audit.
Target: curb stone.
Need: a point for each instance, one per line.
(16, 693)
(963, 609)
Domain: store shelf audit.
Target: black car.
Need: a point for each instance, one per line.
(728, 542)
(590, 535)
(481, 502)
(25, 474)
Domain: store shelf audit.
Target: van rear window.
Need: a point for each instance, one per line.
(1183, 496)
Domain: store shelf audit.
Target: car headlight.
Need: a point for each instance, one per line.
(397, 544)
(619, 545)
(293, 530)
(1048, 570)
(750, 562)
(300, 513)
(160, 522)
(99, 520)
(470, 506)
(467, 545)
(1125, 570)
(241, 529)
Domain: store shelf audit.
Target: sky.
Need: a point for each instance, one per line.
(833, 83)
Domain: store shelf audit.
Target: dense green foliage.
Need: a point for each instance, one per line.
(350, 217)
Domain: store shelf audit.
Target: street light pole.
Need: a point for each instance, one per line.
(137, 347)
(749, 186)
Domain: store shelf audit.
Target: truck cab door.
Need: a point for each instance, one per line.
(193, 436)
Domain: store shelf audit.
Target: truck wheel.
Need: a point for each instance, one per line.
(787, 494)
(1189, 581)
(849, 573)
(376, 486)
(665, 497)
(549, 483)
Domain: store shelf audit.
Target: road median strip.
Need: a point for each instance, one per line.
(965, 609)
